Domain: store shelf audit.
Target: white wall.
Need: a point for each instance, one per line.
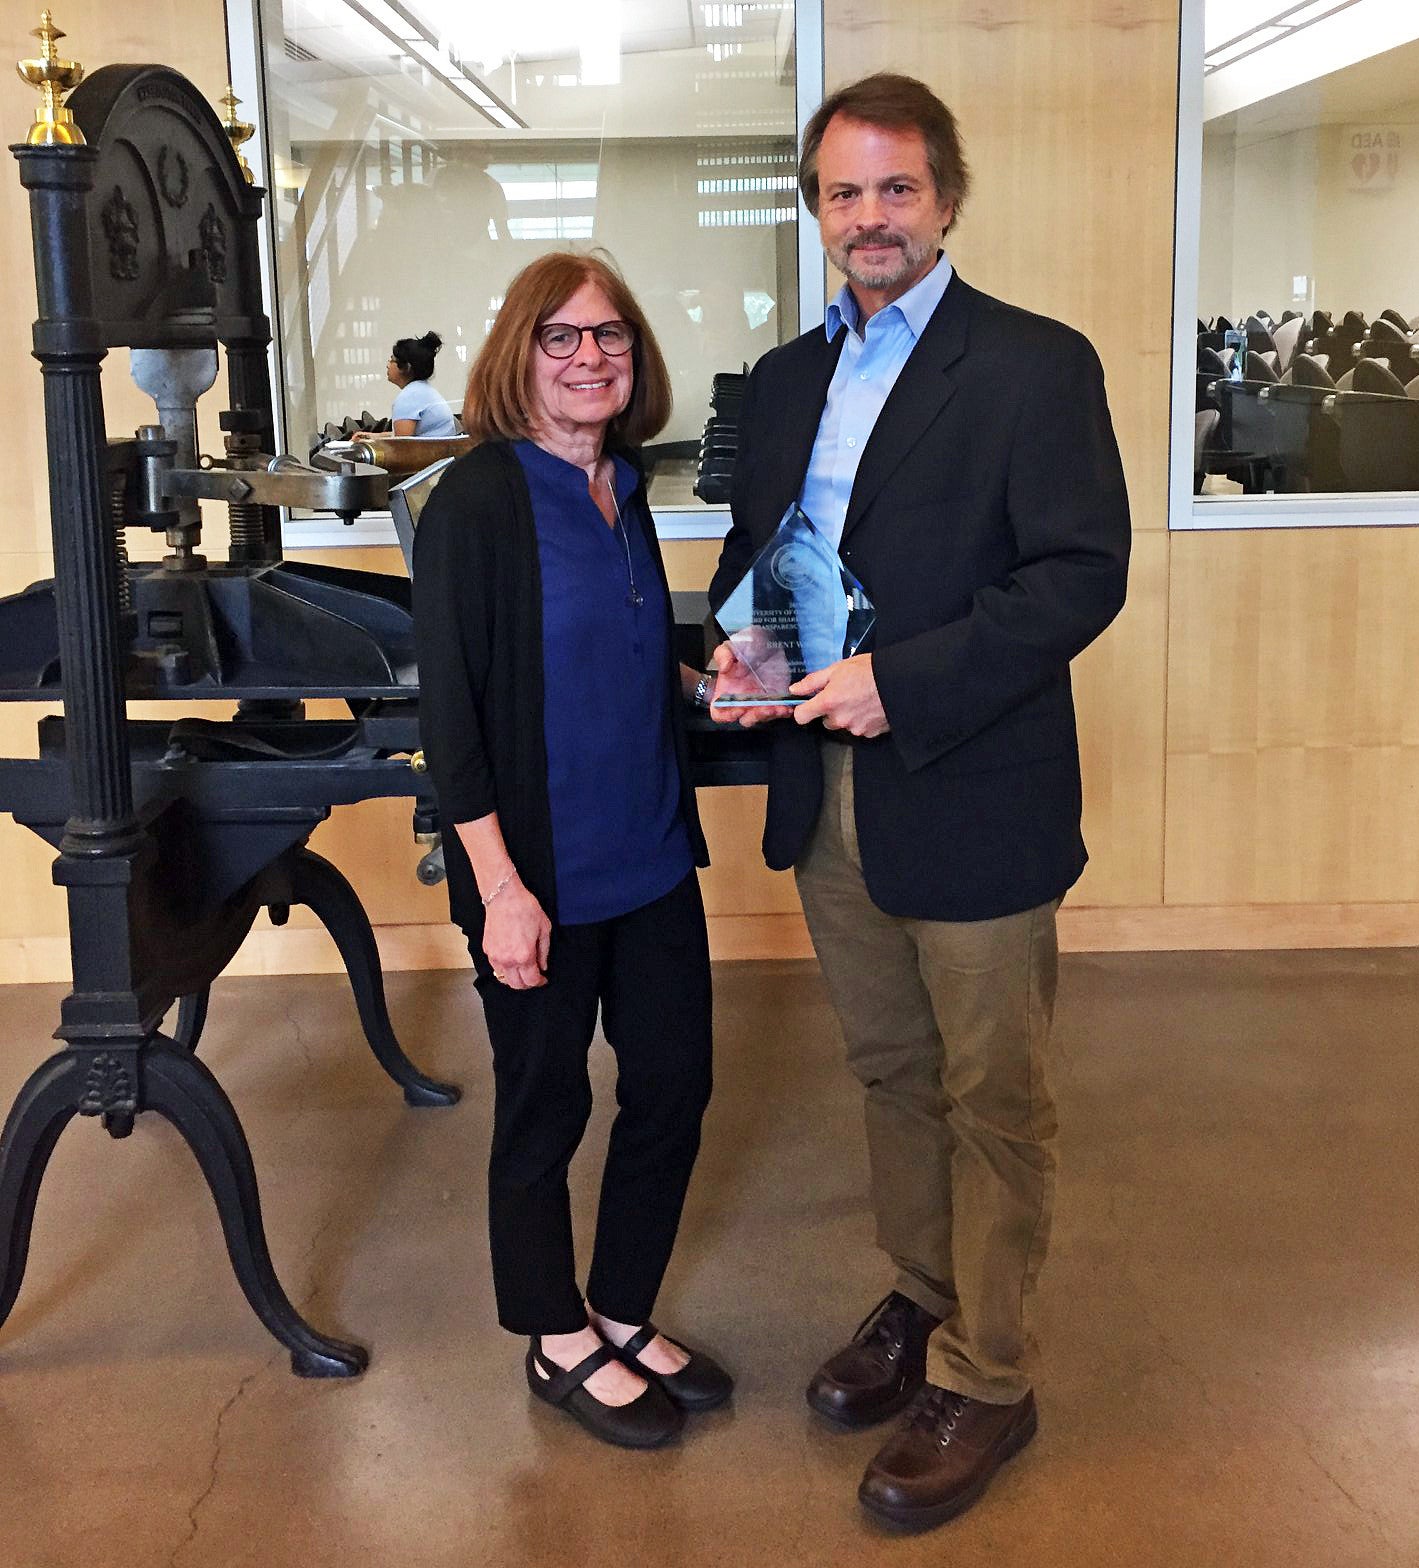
(1215, 261)
(1367, 241)
(1282, 207)
(1259, 223)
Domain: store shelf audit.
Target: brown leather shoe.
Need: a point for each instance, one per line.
(879, 1373)
(943, 1457)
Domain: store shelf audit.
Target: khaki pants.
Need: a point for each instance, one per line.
(947, 1025)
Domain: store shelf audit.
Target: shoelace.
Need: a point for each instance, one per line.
(937, 1410)
(885, 1321)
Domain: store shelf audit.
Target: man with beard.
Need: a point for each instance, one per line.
(959, 453)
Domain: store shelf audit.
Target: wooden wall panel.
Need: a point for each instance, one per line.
(1293, 734)
(690, 563)
(31, 905)
(1250, 738)
(1068, 113)
(185, 34)
(1119, 690)
(1067, 108)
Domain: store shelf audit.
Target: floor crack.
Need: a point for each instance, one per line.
(212, 1473)
(314, 1287)
(302, 1045)
(316, 1284)
(1364, 1513)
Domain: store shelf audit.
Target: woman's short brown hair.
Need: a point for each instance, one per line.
(499, 397)
(896, 103)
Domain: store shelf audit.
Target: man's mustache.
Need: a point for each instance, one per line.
(869, 241)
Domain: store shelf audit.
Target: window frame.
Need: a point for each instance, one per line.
(246, 55)
(1372, 509)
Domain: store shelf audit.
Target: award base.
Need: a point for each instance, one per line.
(766, 701)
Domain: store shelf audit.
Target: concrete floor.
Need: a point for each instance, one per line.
(1230, 1316)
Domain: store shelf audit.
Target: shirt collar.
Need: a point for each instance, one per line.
(914, 307)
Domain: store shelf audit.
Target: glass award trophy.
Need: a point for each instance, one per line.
(796, 609)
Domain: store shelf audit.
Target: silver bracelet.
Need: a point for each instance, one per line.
(703, 687)
(498, 889)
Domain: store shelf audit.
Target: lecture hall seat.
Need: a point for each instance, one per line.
(1287, 338)
(1373, 375)
(1306, 371)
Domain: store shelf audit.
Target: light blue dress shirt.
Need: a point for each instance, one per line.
(867, 370)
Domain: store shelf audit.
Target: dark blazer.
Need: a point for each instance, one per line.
(989, 525)
(478, 630)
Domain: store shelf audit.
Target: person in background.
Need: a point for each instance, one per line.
(418, 409)
(959, 454)
(551, 714)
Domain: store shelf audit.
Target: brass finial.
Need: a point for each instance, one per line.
(238, 131)
(53, 123)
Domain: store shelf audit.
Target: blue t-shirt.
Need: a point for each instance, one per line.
(618, 839)
(427, 408)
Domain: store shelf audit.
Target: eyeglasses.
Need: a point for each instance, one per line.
(560, 340)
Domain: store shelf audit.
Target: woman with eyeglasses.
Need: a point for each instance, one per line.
(551, 717)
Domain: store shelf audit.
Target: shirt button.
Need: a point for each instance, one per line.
(852, 440)
(862, 376)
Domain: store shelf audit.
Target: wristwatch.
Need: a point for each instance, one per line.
(703, 687)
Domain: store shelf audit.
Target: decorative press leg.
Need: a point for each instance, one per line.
(191, 1017)
(179, 1086)
(40, 1113)
(317, 884)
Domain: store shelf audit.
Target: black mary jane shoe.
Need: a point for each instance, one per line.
(701, 1384)
(648, 1421)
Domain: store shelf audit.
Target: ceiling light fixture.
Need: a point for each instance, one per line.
(1286, 23)
(413, 39)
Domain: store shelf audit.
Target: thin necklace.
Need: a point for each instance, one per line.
(634, 598)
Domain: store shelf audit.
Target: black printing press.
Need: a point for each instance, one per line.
(172, 834)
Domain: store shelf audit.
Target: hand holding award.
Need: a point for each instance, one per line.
(796, 609)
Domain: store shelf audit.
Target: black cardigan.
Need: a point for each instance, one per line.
(478, 629)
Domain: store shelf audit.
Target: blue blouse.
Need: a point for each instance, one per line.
(618, 839)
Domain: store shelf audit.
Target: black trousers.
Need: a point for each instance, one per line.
(649, 973)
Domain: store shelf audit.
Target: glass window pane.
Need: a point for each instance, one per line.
(424, 151)
(1307, 294)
